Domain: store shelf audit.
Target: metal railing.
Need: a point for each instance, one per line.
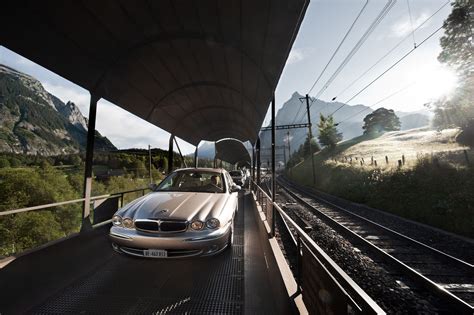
(324, 286)
(103, 207)
(62, 203)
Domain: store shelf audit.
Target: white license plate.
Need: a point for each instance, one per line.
(155, 253)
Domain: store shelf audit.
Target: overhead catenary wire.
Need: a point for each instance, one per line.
(365, 109)
(339, 46)
(376, 103)
(387, 70)
(411, 22)
(383, 13)
(390, 51)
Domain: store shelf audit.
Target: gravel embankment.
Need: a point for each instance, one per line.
(392, 293)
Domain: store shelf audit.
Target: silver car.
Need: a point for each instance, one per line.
(191, 212)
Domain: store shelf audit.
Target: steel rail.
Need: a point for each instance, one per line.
(460, 305)
(360, 299)
(445, 255)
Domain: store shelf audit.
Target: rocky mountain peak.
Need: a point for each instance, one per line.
(34, 121)
(29, 82)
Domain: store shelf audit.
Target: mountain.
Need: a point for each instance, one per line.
(33, 121)
(350, 118)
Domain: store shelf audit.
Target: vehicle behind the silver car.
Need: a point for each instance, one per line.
(237, 177)
(189, 213)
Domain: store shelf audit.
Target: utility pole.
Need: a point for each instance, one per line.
(288, 141)
(310, 133)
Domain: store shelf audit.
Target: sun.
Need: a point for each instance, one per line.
(436, 81)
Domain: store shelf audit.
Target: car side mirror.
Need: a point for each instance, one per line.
(152, 187)
(235, 188)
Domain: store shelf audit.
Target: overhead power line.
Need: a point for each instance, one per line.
(383, 13)
(333, 55)
(390, 51)
(411, 22)
(376, 103)
(339, 46)
(387, 70)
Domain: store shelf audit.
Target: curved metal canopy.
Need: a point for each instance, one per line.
(201, 70)
(232, 151)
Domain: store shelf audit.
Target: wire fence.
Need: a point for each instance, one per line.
(460, 158)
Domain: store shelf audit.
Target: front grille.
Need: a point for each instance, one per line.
(147, 225)
(161, 225)
(173, 226)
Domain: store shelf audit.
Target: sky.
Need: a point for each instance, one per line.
(420, 76)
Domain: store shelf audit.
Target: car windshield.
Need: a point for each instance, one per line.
(195, 181)
(235, 173)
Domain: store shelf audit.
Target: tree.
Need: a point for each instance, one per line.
(328, 135)
(381, 120)
(458, 52)
(457, 42)
(304, 148)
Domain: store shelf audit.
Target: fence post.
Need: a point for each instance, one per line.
(399, 163)
(375, 163)
(403, 159)
(386, 159)
(362, 161)
(372, 160)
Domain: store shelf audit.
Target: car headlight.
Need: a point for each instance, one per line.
(117, 220)
(212, 223)
(197, 225)
(128, 223)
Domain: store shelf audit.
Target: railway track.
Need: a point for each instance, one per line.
(448, 278)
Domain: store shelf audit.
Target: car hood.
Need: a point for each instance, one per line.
(176, 206)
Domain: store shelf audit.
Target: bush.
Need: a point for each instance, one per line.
(433, 193)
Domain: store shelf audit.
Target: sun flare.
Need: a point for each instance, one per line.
(436, 82)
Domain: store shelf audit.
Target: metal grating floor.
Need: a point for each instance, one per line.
(127, 285)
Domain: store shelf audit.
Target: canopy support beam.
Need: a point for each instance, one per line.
(86, 208)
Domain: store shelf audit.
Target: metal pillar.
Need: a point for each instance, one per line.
(310, 137)
(196, 157)
(149, 164)
(215, 154)
(183, 161)
(258, 161)
(253, 163)
(86, 209)
(170, 154)
(273, 167)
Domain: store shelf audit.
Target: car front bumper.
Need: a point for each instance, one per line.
(184, 244)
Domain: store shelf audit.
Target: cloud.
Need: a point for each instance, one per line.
(296, 55)
(126, 130)
(403, 27)
(25, 62)
(77, 95)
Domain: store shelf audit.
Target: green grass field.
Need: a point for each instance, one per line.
(433, 187)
